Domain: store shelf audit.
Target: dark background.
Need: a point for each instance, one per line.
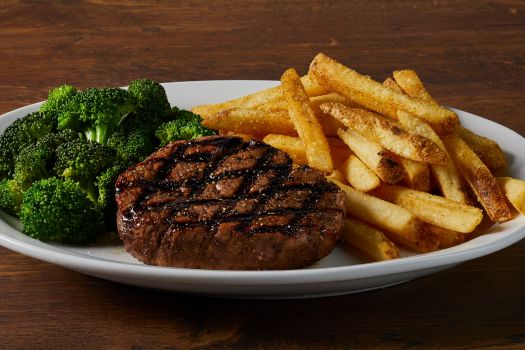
(470, 54)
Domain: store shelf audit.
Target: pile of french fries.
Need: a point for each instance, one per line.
(413, 176)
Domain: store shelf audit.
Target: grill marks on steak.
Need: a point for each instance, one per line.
(221, 203)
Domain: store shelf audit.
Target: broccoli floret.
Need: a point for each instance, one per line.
(97, 112)
(106, 188)
(82, 161)
(151, 100)
(132, 146)
(185, 126)
(56, 101)
(11, 196)
(18, 135)
(36, 161)
(58, 210)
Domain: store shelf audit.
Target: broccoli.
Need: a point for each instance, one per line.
(21, 133)
(82, 161)
(150, 99)
(56, 100)
(97, 112)
(105, 183)
(58, 211)
(185, 126)
(11, 196)
(133, 146)
(36, 161)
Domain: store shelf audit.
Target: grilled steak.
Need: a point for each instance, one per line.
(220, 203)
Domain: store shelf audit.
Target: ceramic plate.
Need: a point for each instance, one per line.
(338, 273)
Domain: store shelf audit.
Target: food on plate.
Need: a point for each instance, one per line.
(479, 178)
(368, 93)
(358, 175)
(382, 162)
(305, 122)
(514, 189)
(397, 135)
(221, 203)
(87, 138)
(433, 209)
(368, 240)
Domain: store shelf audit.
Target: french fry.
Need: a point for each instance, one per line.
(447, 238)
(400, 225)
(390, 83)
(337, 175)
(294, 146)
(387, 134)
(251, 121)
(382, 162)
(487, 150)
(368, 240)
(447, 176)
(358, 175)
(411, 85)
(514, 189)
(435, 210)
(257, 99)
(366, 92)
(417, 175)
(479, 178)
(305, 122)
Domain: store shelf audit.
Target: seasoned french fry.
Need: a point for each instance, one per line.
(399, 224)
(514, 189)
(382, 162)
(252, 121)
(257, 99)
(245, 137)
(487, 150)
(447, 238)
(479, 178)
(417, 174)
(447, 176)
(435, 210)
(411, 85)
(390, 83)
(295, 148)
(337, 175)
(358, 175)
(364, 91)
(387, 134)
(305, 122)
(368, 240)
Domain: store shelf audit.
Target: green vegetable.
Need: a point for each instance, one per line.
(58, 210)
(11, 196)
(96, 112)
(36, 161)
(82, 161)
(56, 101)
(132, 146)
(150, 100)
(105, 183)
(185, 126)
(21, 133)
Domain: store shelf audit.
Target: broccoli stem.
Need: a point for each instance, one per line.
(102, 133)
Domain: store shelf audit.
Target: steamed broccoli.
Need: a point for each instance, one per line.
(56, 101)
(132, 146)
(36, 161)
(105, 183)
(97, 112)
(82, 161)
(11, 196)
(150, 99)
(58, 211)
(185, 126)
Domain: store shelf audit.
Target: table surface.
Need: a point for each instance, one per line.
(471, 55)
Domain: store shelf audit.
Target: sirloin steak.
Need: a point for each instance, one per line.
(221, 203)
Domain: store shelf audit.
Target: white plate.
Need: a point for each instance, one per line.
(339, 273)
